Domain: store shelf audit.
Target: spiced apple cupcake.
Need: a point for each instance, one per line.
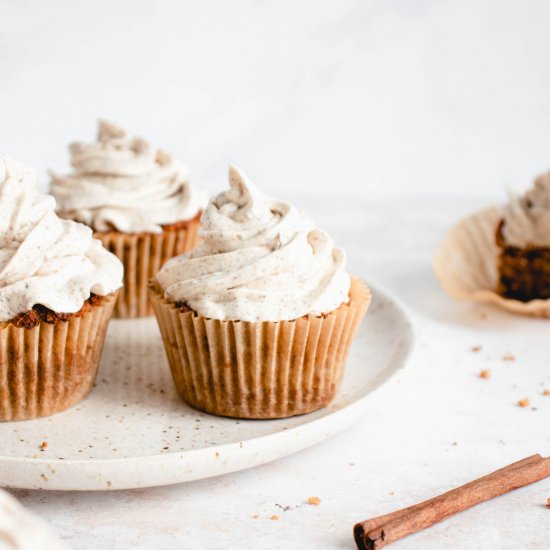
(257, 321)
(139, 202)
(58, 287)
(501, 255)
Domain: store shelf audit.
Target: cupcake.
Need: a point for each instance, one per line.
(57, 292)
(523, 238)
(138, 201)
(20, 529)
(257, 321)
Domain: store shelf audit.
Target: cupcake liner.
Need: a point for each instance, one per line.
(143, 254)
(52, 366)
(259, 370)
(466, 264)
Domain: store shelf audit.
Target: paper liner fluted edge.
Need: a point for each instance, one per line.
(51, 367)
(259, 370)
(466, 264)
(143, 254)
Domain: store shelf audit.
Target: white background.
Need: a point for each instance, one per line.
(389, 120)
(347, 96)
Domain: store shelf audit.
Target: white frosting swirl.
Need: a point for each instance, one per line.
(123, 183)
(260, 259)
(22, 530)
(527, 217)
(44, 259)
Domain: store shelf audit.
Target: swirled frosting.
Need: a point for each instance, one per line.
(22, 530)
(44, 259)
(121, 182)
(527, 217)
(260, 259)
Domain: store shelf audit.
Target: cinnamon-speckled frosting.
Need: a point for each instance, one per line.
(22, 530)
(123, 183)
(527, 217)
(44, 259)
(260, 259)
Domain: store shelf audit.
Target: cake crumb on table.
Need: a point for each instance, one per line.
(43, 445)
(485, 373)
(546, 392)
(523, 402)
(548, 503)
(274, 517)
(508, 357)
(475, 349)
(314, 501)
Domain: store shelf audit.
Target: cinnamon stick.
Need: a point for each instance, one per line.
(375, 533)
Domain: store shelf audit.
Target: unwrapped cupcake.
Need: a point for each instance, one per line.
(257, 321)
(501, 255)
(57, 291)
(523, 237)
(138, 201)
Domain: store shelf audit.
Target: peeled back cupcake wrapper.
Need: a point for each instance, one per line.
(143, 254)
(259, 370)
(466, 264)
(49, 368)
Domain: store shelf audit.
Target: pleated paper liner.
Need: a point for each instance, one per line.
(259, 370)
(143, 254)
(52, 366)
(466, 264)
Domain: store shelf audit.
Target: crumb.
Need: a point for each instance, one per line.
(475, 349)
(485, 374)
(274, 517)
(523, 402)
(391, 493)
(534, 408)
(352, 463)
(314, 501)
(455, 443)
(43, 445)
(508, 357)
(255, 516)
(548, 503)
(546, 392)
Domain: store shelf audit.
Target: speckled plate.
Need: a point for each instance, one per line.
(134, 431)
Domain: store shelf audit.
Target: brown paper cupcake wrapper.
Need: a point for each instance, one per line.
(143, 254)
(259, 370)
(466, 264)
(48, 368)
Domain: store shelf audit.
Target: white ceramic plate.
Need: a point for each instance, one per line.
(134, 431)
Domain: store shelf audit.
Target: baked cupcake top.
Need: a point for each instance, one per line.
(259, 259)
(526, 221)
(44, 259)
(22, 530)
(123, 183)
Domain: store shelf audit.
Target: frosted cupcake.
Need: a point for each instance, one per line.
(20, 529)
(57, 291)
(138, 201)
(523, 237)
(257, 321)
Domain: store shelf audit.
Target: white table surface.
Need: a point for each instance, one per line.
(440, 427)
